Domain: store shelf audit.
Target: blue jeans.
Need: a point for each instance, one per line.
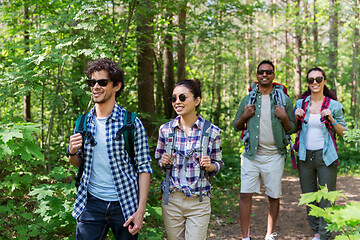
(97, 217)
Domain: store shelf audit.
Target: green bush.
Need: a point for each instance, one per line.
(344, 219)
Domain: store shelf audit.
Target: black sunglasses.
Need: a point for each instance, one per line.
(182, 98)
(101, 82)
(317, 79)
(268, 72)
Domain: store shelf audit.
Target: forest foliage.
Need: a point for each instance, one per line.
(45, 47)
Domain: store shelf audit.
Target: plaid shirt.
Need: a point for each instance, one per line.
(189, 146)
(329, 150)
(124, 176)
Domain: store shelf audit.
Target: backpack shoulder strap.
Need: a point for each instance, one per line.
(128, 130)
(279, 95)
(252, 93)
(205, 134)
(171, 138)
(129, 121)
(80, 125)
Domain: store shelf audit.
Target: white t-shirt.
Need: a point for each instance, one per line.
(315, 136)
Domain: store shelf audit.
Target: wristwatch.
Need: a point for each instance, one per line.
(68, 152)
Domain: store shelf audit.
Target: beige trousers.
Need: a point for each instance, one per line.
(186, 217)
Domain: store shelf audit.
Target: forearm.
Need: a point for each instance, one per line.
(286, 123)
(144, 187)
(240, 123)
(339, 129)
(76, 160)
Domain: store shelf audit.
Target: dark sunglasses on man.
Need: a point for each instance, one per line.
(268, 72)
(101, 82)
(317, 79)
(182, 98)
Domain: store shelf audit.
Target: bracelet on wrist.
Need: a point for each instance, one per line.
(333, 124)
(68, 152)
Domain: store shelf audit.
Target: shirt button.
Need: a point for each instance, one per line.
(255, 147)
(258, 105)
(257, 126)
(257, 136)
(258, 115)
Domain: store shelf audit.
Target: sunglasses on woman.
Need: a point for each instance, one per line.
(268, 72)
(182, 98)
(101, 82)
(317, 79)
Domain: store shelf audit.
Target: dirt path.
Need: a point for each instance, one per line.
(292, 223)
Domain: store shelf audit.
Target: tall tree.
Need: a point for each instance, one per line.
(333, 40)
(181, 52)
(145, 35)
(168, 67)
(27, 97)
(355, 67)
(298, 53)
(315, 33)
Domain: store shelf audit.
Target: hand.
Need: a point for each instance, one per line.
(249, 111)
(137, 219)
(205, 162)
(280, 112)
(75, 143)
(326, 113)
(299, 113)
(166, 159)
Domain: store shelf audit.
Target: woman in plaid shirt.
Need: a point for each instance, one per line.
(186, 208)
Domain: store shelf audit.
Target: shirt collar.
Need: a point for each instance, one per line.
(116, 114)
(307, 99)
(198, 123)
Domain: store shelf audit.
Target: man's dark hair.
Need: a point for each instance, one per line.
(115, 74)
(266, 62)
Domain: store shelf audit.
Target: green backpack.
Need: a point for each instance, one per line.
(127, 129)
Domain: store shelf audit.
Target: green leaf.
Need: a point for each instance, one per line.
(10, 134)
(42, 192)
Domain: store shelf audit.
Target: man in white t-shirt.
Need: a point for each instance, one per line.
(268, 124)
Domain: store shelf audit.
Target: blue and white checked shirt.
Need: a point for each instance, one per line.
(124, 176)
(329, 151)
(185, 145)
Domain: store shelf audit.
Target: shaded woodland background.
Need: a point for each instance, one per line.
(45, 47)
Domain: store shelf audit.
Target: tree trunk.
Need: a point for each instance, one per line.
(274, 43)
(298, 53)
(126, 32)
(182, 45)
(287, 46)
(316, 35)
(333, 37)
(355, 70)
(27, 97)
(168, 69)
(145, 57)
(160, 92)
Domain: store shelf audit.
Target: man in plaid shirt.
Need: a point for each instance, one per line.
(112, 192)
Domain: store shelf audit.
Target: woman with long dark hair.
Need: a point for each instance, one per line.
(320, 116)
(189, 157)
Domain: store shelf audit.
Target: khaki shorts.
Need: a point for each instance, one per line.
(269, 169)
